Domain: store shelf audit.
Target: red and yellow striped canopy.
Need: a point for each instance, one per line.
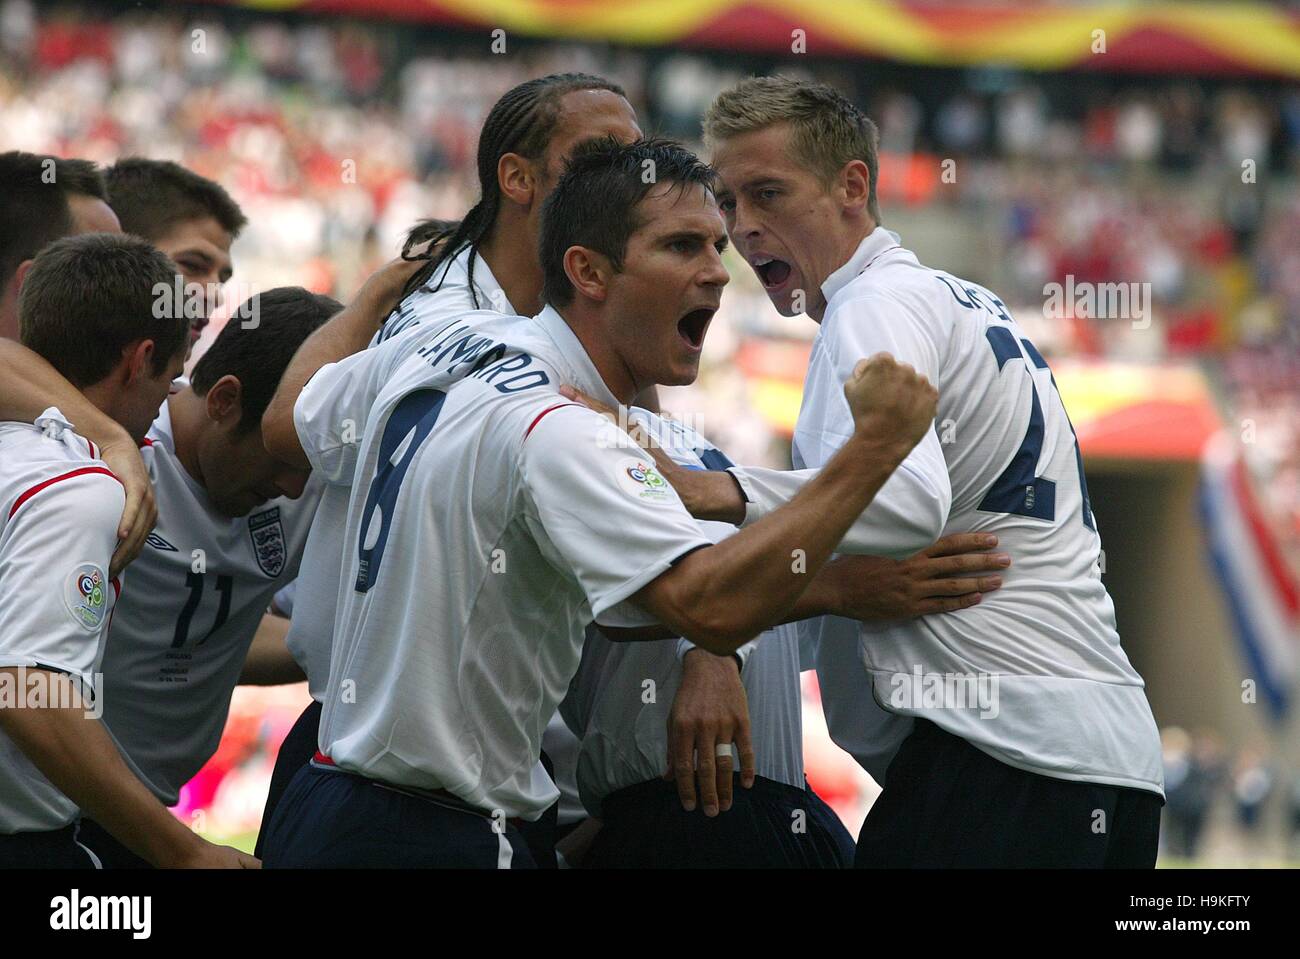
(1216, 37)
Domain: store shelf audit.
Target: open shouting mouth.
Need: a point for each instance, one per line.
(772, 273)
(694, 325)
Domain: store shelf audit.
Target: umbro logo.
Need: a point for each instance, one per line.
(157, 542)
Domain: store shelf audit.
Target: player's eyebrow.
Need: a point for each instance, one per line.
(207, 260)
(699, 236)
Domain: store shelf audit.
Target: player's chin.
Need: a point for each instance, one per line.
(683, 371)
(784, 302)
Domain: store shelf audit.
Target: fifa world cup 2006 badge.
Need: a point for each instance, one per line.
(86, 595)
(643, 481)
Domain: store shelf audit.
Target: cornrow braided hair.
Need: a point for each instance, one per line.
(522, 122)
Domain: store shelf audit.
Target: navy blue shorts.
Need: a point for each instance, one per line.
(330, 819)
(55, 849)
(770, 826)
(948, 804)
(296, 751)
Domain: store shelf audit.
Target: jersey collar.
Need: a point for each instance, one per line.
(873, 244)
(571, 350)
(161, 430)
(490, 292)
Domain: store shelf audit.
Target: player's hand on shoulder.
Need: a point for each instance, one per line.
(141, 511)
(383, 288)
(890, 401)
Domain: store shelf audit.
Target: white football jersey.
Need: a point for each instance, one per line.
(446, 295)
(619, 702)
(199, 590)
(1035, 675)
(311, 629)
(59, 509)
(490, 521)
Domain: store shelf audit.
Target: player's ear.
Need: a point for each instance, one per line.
(137, 361)
(516, 179)
(855, 186)
(588, 271)
(224, 402)
(20, 274)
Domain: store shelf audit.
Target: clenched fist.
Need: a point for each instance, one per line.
(890, 401)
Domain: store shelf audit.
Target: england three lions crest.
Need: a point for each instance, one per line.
(267, 533)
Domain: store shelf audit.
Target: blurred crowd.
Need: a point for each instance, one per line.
(1217, 799)
(335, 136)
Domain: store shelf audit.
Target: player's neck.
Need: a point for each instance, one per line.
(511, 254)
(104, 397)
(187, 415)
(615, 373)
(9, 313)
(848, 247)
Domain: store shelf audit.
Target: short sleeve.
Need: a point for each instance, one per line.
(876, 323)
(911, 509)
(54, 560)
(330, 413)
(616, 523)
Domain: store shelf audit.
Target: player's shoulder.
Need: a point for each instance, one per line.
(907, 295)
(46, 465)
(444, 296)
(685, 444)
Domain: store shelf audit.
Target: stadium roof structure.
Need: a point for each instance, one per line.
(1210, 38)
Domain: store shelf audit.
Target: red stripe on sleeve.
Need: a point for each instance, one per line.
(57, 479)
(549, 409)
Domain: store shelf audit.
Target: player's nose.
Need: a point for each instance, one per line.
(715, 272)
(744, 228)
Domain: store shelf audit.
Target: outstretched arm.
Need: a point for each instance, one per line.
(348, 332)
(721, 596)
(75, 753)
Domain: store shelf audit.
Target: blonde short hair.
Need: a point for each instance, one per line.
(827, 131)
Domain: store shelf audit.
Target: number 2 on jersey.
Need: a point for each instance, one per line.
(1018, 489)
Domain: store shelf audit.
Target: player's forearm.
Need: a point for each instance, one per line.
(338, 338)
(820, 598)
(723, 596)
(269, 662)
(29, 386)
(573, 848)
(76, 754)
(348, 332)
(709, 494)
(824, 595)
(908, 515)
